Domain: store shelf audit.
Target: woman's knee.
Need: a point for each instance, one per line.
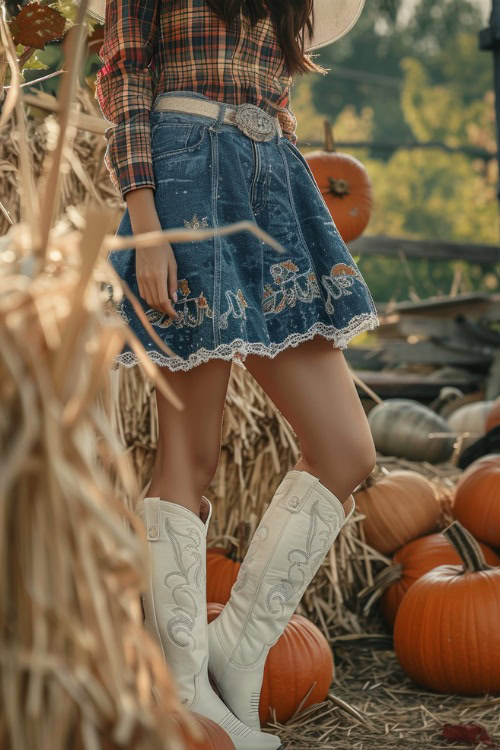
(342, 466)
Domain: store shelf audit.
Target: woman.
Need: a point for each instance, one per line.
(203, 135)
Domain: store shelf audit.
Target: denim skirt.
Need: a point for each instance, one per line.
(238, 295)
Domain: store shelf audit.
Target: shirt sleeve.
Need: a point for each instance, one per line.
(124, 91)
(288, 121)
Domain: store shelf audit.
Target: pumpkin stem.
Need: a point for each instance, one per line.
(339, 187)
(467, 547)
(382, 581)
(329, 140)
(367, 483)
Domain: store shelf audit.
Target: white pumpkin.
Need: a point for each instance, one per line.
(470, 418)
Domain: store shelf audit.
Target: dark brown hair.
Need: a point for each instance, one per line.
(290, 18)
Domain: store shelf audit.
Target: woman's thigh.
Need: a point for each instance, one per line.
(190, 439)
(312, 387)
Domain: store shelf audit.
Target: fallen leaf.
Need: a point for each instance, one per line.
(470, 732)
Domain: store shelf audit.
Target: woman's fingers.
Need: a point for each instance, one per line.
(147, 283)
(141, 288)
(172, 281)
(163, 298)
(156, 272)
(149, 295)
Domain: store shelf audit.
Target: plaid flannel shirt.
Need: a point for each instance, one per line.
(154, 46)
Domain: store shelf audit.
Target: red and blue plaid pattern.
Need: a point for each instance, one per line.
(154, 46)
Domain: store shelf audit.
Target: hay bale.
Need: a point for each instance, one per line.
(76, 666)
(85, 177)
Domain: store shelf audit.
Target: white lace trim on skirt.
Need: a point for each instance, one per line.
(239, 348)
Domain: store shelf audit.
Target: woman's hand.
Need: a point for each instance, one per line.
(156, 267)
(156, 271)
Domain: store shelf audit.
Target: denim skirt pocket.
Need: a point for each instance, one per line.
(170, 138)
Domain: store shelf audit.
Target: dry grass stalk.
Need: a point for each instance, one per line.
(76, 666)
(75, 663)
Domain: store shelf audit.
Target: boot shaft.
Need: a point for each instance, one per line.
(176, 611)
(175, 603)
(289, 545)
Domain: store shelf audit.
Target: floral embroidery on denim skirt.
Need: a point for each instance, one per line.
(196, 223)
(303, 287)
(193, 310)
(237, 294)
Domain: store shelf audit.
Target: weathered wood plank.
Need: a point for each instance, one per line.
(462, 330)
(426, 352)
(474, 306)
(435, 249)
(360, 358)
(404, 385)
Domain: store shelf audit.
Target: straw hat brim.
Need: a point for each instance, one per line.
(332, 19)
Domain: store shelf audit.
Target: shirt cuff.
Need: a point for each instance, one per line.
(128, 157)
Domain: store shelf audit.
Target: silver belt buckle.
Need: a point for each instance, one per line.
(254, 122)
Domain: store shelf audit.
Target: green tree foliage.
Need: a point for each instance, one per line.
(367, 65)
(444, 94)
(433, 195)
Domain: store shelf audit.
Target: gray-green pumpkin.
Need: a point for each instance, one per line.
(401, 427)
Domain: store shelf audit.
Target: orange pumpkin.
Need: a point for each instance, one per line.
(212, 736)
(446, 634)
(398, 508)
(493, 418)
(222, 571)
(346, 188)
(300, 660)
(477, 499)
(414, 560)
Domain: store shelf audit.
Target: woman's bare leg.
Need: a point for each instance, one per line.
(312, 387)
(175, 601)
(189, 440)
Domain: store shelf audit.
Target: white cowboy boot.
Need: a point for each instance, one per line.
(290, 543)
(176, 611)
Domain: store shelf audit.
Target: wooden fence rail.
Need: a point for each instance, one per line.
(434, 249)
